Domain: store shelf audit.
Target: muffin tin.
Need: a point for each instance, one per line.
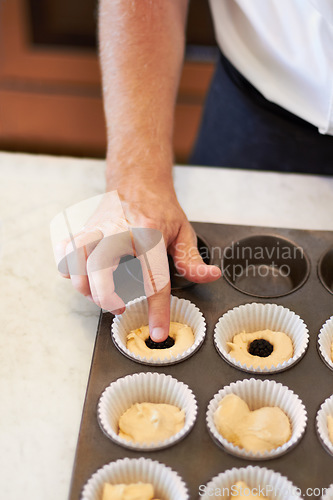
(197, 458)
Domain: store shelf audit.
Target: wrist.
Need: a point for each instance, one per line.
(150, 169)
(139, 188)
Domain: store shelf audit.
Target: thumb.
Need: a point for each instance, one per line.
(188, 260)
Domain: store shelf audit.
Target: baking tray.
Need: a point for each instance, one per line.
(197, 458)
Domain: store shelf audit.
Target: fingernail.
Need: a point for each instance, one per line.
(116, 312)
(158, 334)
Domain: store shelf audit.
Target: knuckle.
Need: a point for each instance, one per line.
(81, 287)
(106, 302)
(80, 283)
(92, 263)
(152, 224)
(60, 246)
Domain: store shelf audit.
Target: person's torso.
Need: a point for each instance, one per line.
(285, 49)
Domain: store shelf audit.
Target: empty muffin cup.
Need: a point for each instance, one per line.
(325, 413)
(167, 483)
(325, 343)
(136, 315)
(254, 317)
(258, 480)
(145, 388)
(325, 270)
(258, 394)
(265, 266)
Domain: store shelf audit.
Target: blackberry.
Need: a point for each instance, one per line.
(260, 347)
(166, 344)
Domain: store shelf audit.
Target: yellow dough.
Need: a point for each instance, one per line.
(330, 427)
(151, 422)
(282, 348)
(332, 351)
(242, 491)
(135, 491)
(182, 335)
(258, 431)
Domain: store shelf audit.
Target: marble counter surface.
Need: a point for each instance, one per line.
(48, 330)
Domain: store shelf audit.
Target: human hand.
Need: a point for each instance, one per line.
(90, 258)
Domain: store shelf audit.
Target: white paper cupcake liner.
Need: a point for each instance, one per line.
(136, 315)
(167, 484)
(324, 411)
(325, 339)
(255, 317)
(272, 484)
(142, 388)
(329, 493)
(259, 393)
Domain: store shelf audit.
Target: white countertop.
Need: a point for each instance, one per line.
(48, 330)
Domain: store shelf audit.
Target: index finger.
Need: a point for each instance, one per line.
(156, 279)
(159, 314)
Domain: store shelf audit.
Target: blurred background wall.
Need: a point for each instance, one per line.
(50, 92)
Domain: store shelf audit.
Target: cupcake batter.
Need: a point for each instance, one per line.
(242, 491)
(182, 335)
(258, 431)
(330, 427)
(135, 491)
(151, 422)
(282, 348)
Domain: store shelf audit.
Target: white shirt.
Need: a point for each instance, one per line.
(285, 49)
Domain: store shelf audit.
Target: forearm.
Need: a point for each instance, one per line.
(141, 52)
